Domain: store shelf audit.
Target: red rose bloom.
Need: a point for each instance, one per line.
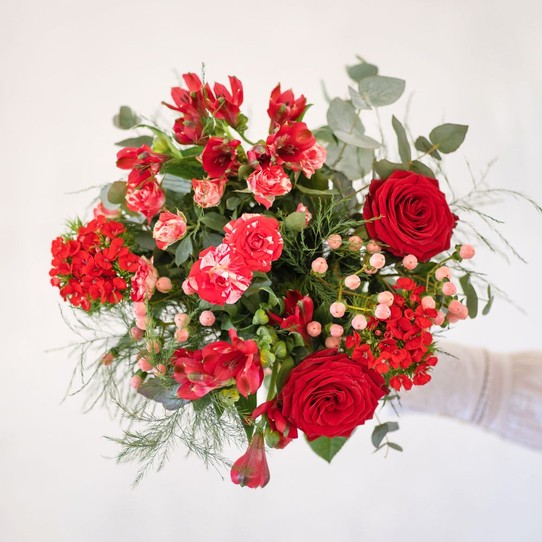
(329, 395)
(256, 238)
(415, 217)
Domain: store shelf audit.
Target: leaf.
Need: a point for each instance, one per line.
(359, 71)
(245, 406)
(353, 162)
(285, 368)
(187, 168)
(379, 91)
(384, 168)
(214, 221)
(470, 293)
(161, 391)
(402, 140)
(184, 251)
(395, 446)
(489, 303)
(326, 447)
(104, 199)
(136, 141)
(448, 137)
(295, 221)
(380, 431)
(422, 169)
(211, 239)
(117, 192)
(423, 144)
(125, 118)
(232, 203)
(357, 140)
(342, 117)
(176, 184)
(145, 240)
(314, 192)
(357, 101)
(324, 134)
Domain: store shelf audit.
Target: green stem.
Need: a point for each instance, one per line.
(273, 383)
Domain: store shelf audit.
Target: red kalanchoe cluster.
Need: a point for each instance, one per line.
(217, 365)
(95, 267)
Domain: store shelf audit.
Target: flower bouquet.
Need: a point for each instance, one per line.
(246, 291)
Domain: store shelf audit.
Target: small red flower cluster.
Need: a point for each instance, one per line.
(217, 365)
(399, 347)
(95, 266)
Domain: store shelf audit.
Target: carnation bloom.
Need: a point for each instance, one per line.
(169, 228)
(267, 183)
(284, 107)
(256, 238)
(251, 468)
(220, 276)
(208, 193)
(219, 156)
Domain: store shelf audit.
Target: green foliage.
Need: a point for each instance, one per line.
(361, 70)
(380, 91)
(448, 137)
(125, 118)
(326, 447)
(295, 221)
(184, 251)
(136, 141)
(117, 192)
(471, 295)
(402, 140)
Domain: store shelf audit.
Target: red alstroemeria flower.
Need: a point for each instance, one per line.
(251, 468)
(284, 430)
(219, 156)
(143, 162)
(289, 143)
(224, 104)
(298, 312)
(284, 107)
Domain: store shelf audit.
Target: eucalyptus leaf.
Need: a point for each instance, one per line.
(422, 169)
(384, 168)
(324, 134)
(380, 431)
(314, 192)
(214, 221)
(104, 199)
(184, 251)
(176, 184)
(402, 140)
(125, 118)
(489, 303)
(326, 447)
(448, 137)
(379, 91)
(342, 117)
(423, 144)
(470, 293)
(359, 71)
(353, 162)
(357, 101)
(395, 446)
(357, 140)
(117, 192)
(136, 141)
(163, 392)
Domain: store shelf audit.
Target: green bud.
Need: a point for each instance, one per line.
(272, 438)
(281, 351)
(160, 145)
(266, 357)
(229, 396)
(260, 317)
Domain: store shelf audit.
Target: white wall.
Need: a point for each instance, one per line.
(65, 68)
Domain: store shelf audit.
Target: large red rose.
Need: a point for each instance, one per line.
(329, 395)
(256, 238)
(414, 215)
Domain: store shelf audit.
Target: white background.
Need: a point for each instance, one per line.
(65, 68)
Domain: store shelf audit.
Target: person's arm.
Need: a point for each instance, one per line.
(499, 392)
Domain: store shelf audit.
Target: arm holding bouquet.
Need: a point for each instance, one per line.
(260, 290)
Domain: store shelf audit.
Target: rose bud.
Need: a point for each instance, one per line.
(337, 309)
(352, 282)
(355, 242)
(303, 209)
(385, 298)
(314, 329)
(207, 318)
(334, 241)
(377, 260)
(466, 252)
(452, 318)
(336, 330)
(319, 266)
(443, 272)
(382, 312)
(163, 285)
(449, 288)
(359, 322)
(144, 364)
(410, 262)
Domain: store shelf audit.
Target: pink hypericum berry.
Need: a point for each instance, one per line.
(136, 333)
(385, 298)
(139, 308)
(352, 282)
(136, 382)
(314, 328)
(336, 330)
(160, 369)
(207, 318)
(107, 359)
(333, 342)
(464, 314)
(382, 312)
(428, 302)
(163, 285)
(359, 322)
(355, 242)
(439, 320)
(144, 365)
(373, 246)
(443, 273)
(187, 289)
(337, 309)
(319, 265)
(410, 262)
(452, 318)
(455, 307)
(378, 261)
(181, 319)
(334, 241)
(449, 288)
(467, 252)
(181, 335)
(142, 322)
(153, 346)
